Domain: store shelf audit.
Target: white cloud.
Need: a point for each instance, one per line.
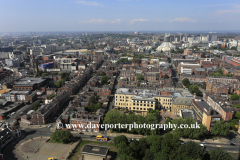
(138, 20)
(117, 21)
(93, 21)
(89, 3)
(235, 9)
(183, 19)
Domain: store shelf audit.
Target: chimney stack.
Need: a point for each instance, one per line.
(209, 111)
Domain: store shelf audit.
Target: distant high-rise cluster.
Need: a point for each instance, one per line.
(190, 38)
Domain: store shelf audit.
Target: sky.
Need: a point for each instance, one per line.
(118, 15)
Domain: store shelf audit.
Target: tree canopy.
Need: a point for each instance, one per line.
(120, 139)
(194, 89)
(220, 73)
(185, 82)
(221, 128)
(60, 83)
(140, 77)
(35, 106)
(219, 154)
(104, 79)
(92, 99)
(192, 133)
(235, 97)
(167, 147)
(166, 76)
(115, 117)
(62, 136)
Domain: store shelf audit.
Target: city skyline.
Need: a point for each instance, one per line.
(118, 15)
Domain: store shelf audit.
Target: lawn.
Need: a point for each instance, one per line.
(77, 153)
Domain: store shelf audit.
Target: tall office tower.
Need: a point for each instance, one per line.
(213, 37)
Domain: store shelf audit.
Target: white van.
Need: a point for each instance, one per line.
(202, 145)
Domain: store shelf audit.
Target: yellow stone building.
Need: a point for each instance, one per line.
(140, 101)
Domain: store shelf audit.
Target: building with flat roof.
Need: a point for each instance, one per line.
(29, 83)
(205, 113)
(90, 152)
(181, 100)
(140, 101)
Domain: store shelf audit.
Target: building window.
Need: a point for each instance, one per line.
(151, 105)
(144, 104)
(133, 107)
(140, 108)
(144, 108)
(133, 103)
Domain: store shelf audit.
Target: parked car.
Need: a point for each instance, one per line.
(181, 142)
(204, 142)
(202, 145)
(49, 126)
(232, 144)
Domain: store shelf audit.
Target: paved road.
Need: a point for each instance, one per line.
(112, 100)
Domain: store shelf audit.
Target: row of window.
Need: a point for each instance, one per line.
(136, 108)
(142, 105)
(136, 104)
(123, 97)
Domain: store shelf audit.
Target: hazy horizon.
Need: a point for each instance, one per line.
(119, 15)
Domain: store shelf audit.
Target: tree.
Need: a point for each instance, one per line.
(221, 128)
(124, 152)
(167, 121)
(35, 106)
(185, 81)
(194, 89)
(220, 71)
(192, 150)
(155, 113)
(138, 84)
(120, 139)
(219, 154)
(166, 76)
(62, 136)
(234, 97)
(44, 74)
(60, 83)
(51, 96)
(193, 133)
(92, 99)
(104, 79)
(140, 77)
(237, 115)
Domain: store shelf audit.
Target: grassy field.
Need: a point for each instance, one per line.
(77, 153)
